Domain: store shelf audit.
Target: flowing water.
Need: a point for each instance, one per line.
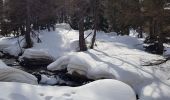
(67, 80)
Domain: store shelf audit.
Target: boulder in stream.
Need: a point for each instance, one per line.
(35, 58)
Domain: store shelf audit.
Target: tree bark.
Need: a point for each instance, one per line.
(96, 19)
(28, 26)
(140, 31)
(82, 43)
(1, 14)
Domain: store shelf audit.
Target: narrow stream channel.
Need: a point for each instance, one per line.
(63, 78)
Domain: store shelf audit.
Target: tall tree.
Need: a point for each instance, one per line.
(80, 8)
(1, 14)
(28, 25)
(95, 10)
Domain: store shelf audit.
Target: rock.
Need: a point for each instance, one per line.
(35, 58)
(35, 62)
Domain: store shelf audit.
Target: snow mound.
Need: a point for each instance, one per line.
(59, 64)
(98, 90)
(109, 90)
(5, 42)
(8, 74)
(32, 53)
(15, 75)
(11, 46)
(2, 64)
(83, 64)
(48, 80)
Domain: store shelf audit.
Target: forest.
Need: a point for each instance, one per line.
(85, 49)
(19, 17)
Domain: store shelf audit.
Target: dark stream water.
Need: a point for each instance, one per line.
(64, 78)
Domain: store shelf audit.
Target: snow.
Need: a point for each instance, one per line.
(33, 53)
(155, 91)
(8, 74)
(83, 64)
(2, 64)
(11, 45)
(54, 43)
(116, 57)
(63, 26)
(59, 64)
(48, 80)
(98, 90)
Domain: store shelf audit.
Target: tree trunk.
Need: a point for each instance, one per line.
(82, 43)
(1, 14)
(160, 37)
(140, 31)
(96, 19)
(151, 27)
(28, 27)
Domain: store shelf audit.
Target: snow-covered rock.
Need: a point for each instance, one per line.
(48, 80)
(37, 58)
(15, 75)
(98, 90)
(8, 74)
(59, 64)
(36, 54)
(83, 64)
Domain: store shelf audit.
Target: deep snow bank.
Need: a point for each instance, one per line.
(98, 90)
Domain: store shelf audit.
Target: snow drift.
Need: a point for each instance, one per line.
(98, 90)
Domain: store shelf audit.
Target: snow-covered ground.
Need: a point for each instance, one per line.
(98, 90)
(118, 57)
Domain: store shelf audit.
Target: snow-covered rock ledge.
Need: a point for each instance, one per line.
(98, 90)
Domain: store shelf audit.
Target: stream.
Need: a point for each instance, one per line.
(63, 78)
